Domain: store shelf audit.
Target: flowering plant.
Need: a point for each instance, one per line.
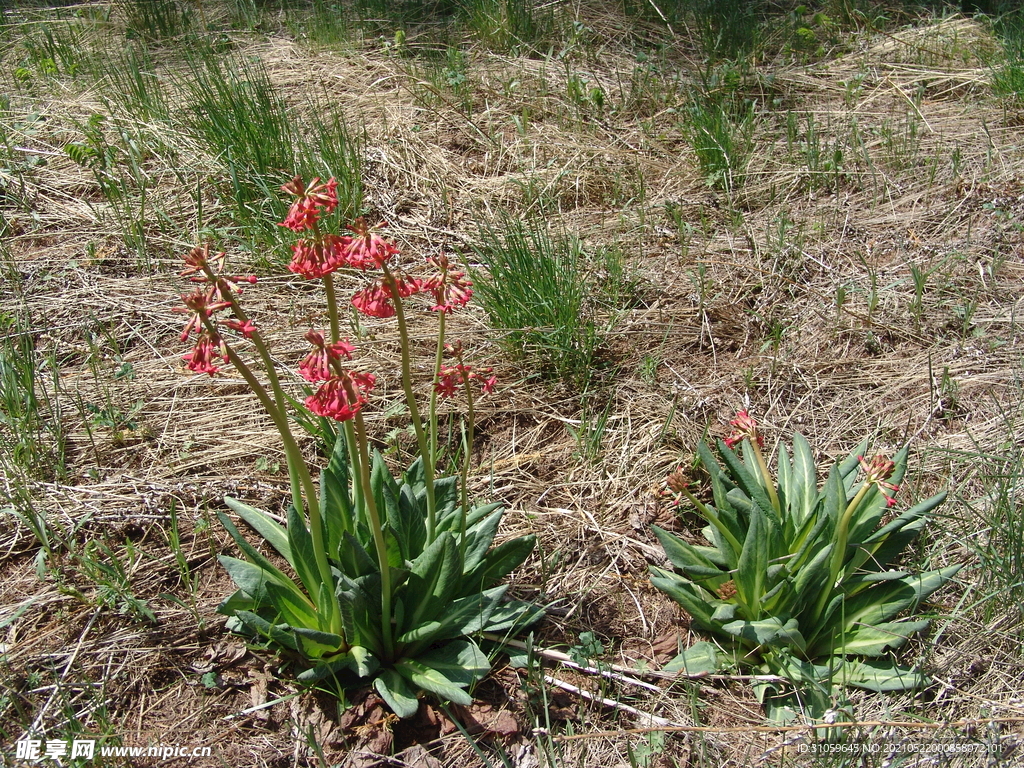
(393, 573)
(798, 581)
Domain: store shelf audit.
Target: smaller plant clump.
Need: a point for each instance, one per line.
(394, 573)
(799, 582)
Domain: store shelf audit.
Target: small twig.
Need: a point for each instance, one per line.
(660, 722)
(622, 674)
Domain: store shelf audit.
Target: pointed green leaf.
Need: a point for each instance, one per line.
(498, 563)
(269, 529)
(693, 599)
(448, 670)
(253, 555)
(479, 540)
(433, 579)
(870, 640)
(744, 478)
(768, 632)
(701, 658)
(397, 693)
(880, 676)
(750, 571)
(802, 492)
(303, 559)
(887, 599)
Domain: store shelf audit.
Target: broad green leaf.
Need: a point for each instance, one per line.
(335, 507)
(470, 614)
(303, 559)
(810, 580)
(480, 539)
(880, 676)
(278, 633)
(498, 563)
(885, 601)
(802, 491)
(360, 560)
(424, 632)
(683, 555)
(293, 606)
(254, 556)
(433, 580)
(870, 641)
(356, 663)
(397, 693)
(724, 612)
(768, 632)
(236, 601)
(253, 580)
(744, 479)
(447, 670)
(318, 643)
(701, 658)
(269, 529)
(688, 595)
(750, 571)
(512, 615)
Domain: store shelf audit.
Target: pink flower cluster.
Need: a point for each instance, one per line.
(877, 472)
(453, 378)
(744, 428)
(204, 302)
(341, 397)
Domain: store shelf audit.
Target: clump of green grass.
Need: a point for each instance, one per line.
(997, 526)
(1008, 79)
(721, 132)
(155, 19)
(234, 109)
(535, 289)
(510, 25)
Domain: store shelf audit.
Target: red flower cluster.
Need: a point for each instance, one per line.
(317, 365)
(201, 358)
(320, 256)
(306, 209)
(744, 427)
(341, 397)
(877, 472)
(451, 379)
(368, 249)
(450, 287)
(202, 304)
(375, 300)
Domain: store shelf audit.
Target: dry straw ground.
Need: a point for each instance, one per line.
(792, 293)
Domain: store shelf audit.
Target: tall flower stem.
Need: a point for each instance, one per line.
(769, 481)
(376, 529)
(414, 411)
(839, 553)
(438, 360)
(332, 307)
(298, 473)
(712, 517)
(466, 459)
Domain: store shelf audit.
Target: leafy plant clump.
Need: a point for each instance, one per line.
(798, 581)
(391, 574)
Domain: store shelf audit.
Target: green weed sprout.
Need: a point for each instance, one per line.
(798, 582)
(393, 574)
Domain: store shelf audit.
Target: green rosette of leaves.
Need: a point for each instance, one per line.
(798, 581)
(441, 592)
